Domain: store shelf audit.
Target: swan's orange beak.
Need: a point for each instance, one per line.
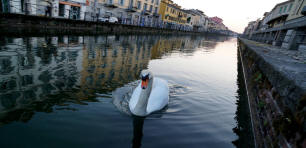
(144, 83)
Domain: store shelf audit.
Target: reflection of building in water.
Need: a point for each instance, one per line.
(113, 62)
(31, 68)
(54, 70)
(186, 45)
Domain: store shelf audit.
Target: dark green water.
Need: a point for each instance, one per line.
(49, 86)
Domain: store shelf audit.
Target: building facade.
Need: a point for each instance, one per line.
(279, 14)
(172, 15)
(283, 26)
(132, 12)
(70, 9)
(148, 13)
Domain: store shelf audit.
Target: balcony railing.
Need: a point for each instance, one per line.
(132, 8)
(111, 4)
(155, 14)
(146, 12)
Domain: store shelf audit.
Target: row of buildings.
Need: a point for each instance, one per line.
(152, 13)
(284, 26)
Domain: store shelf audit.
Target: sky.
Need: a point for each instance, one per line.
(235, 13)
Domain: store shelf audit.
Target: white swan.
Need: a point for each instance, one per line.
(151, 95)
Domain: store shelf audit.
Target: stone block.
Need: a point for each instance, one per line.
(302, 48)
(285, 45)
(289, 32)
(274, 43)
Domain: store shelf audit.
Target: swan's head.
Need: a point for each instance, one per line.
(146, 76)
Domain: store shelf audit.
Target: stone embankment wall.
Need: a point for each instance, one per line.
(18, 24)
(276, 85)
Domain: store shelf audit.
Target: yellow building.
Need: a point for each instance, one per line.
(172, 13)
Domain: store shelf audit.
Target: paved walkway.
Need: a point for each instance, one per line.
(286, 69)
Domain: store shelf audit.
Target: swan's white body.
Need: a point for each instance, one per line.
(157, 98)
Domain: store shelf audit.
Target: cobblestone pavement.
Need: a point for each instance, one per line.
(299, 56)
(291, 64)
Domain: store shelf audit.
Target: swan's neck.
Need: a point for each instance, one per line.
(141, 106)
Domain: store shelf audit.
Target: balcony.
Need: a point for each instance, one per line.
(144, 12)
(132, 9)
(111, 4)
(278, 17)
(155, 14)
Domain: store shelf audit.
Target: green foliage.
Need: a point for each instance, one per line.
(261, 104)
(266, 122)
(258, 78)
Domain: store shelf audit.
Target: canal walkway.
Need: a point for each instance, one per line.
(277, 92)
(290, 63)
(29, 25)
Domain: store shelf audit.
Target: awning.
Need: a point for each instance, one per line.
(71, 4)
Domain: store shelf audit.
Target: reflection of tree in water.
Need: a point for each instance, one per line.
(244, 126)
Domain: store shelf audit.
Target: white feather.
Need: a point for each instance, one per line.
(158, 99)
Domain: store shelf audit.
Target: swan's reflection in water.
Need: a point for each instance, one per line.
(121, 97)
(137, 131)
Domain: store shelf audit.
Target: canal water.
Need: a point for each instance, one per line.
(59, 92)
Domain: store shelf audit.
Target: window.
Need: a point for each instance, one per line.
(139, 4)
(156, 8)
(285, 8)
(151, 8)
(61, 11)
(167, 9)
(152, 1)
(280, 10)
(145, 7)
(157, 1)
(121, 2)
(290, 6)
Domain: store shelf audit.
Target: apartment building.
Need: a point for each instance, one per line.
(173, 15)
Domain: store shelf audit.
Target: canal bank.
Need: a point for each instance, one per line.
(276, 85)
(19, 24)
